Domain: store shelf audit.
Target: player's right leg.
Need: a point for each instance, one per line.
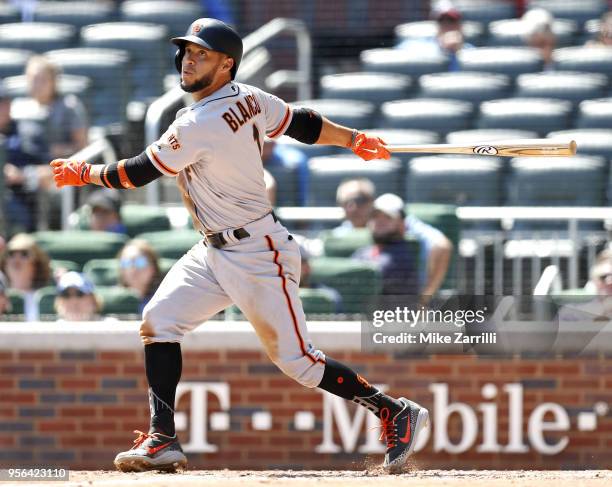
(188, 296)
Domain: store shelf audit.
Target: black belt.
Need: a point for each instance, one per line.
(217, 240)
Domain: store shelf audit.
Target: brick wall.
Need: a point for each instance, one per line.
(77, 407)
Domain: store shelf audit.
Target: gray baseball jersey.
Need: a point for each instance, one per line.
(214, 147)
(217, 144)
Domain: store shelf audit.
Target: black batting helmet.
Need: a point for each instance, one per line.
(212, 34)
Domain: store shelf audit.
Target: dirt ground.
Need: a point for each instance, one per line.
(330, 478)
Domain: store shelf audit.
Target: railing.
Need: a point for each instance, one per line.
(262, 35)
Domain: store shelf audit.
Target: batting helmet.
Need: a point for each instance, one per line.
(212, 34)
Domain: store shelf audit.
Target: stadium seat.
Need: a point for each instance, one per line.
(571, 86)
(346, 244)
(511, 32)
(351, 113)
(317, 301)
(147, 46)
(171, 244)
(590, 59)
(475, 136)
(511, 61)
(577, 10)
(358, 283)
(48, 36)
(472, 87)
(435, 114)
(473, 32)
(287, 184)
(576, 181)
(402, 61)
(80, 246)
(326, 173)
(486, 11)
(455, 180)
(594, 142)
(108, 71)
(9, 13)
(46, 302)
(314, 150)
(16, 302)
(373, 87)
(142, 218)
(595, 114)
(67, 84)
(177, 16)
(541, 115)
(78, 14)
(13, 61)
(64, 265)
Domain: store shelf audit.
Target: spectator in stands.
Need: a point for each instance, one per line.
(139, 269)
(27, 268)
(284, 155)
(356, 196)
(539, 33)
(604, 37)
(105, 207)
(388, 232)
(76, 299)
(65, 128)
(5, 304)
(449, 38)
(307, 282)
(390, 251)
(601, 273)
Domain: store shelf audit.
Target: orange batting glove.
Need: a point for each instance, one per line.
(70, 173)
(369, 148)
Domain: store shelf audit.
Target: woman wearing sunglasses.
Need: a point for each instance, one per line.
(139, 269)
(27, 268)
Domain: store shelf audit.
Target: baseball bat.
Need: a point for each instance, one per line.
(511, 148)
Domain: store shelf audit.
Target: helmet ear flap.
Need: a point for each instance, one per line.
(178, 58)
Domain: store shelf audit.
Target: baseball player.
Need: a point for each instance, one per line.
(246, 256)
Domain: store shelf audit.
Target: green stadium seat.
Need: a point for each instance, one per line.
(578, 11)
(473, 32)
(108, 71)
(571, 86)
(541, 115)
(510, 61)
(373, 87)
(80, 246)
(595, 114)
(118, 300)
(147, 47)
(9, 13)
(402, 61)
(350, 113)
(78, 14)
(346, 244)
(16, 302)
(358, 283)
(472, 87)
(485, 11)
(171, 244)
(142, 218)
(326, 174)
(455, 180)
(438, 115)
(48, 36)
(13, 61)
(572, 296)
(589, 59)
(511, 32)
(46, 302)
(67, 265)
(594, 142)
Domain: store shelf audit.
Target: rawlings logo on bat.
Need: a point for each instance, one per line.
(485, 149)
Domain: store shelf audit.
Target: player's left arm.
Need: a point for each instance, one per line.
(125, 174)
(310, 127)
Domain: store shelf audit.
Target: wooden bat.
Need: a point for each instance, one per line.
(511, 148)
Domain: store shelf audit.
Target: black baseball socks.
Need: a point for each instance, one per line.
(342, 381)
(164, 364)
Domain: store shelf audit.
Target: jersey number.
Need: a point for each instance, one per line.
(256, 137)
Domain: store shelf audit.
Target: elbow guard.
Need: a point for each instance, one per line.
(305, 125)
(129, 173)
